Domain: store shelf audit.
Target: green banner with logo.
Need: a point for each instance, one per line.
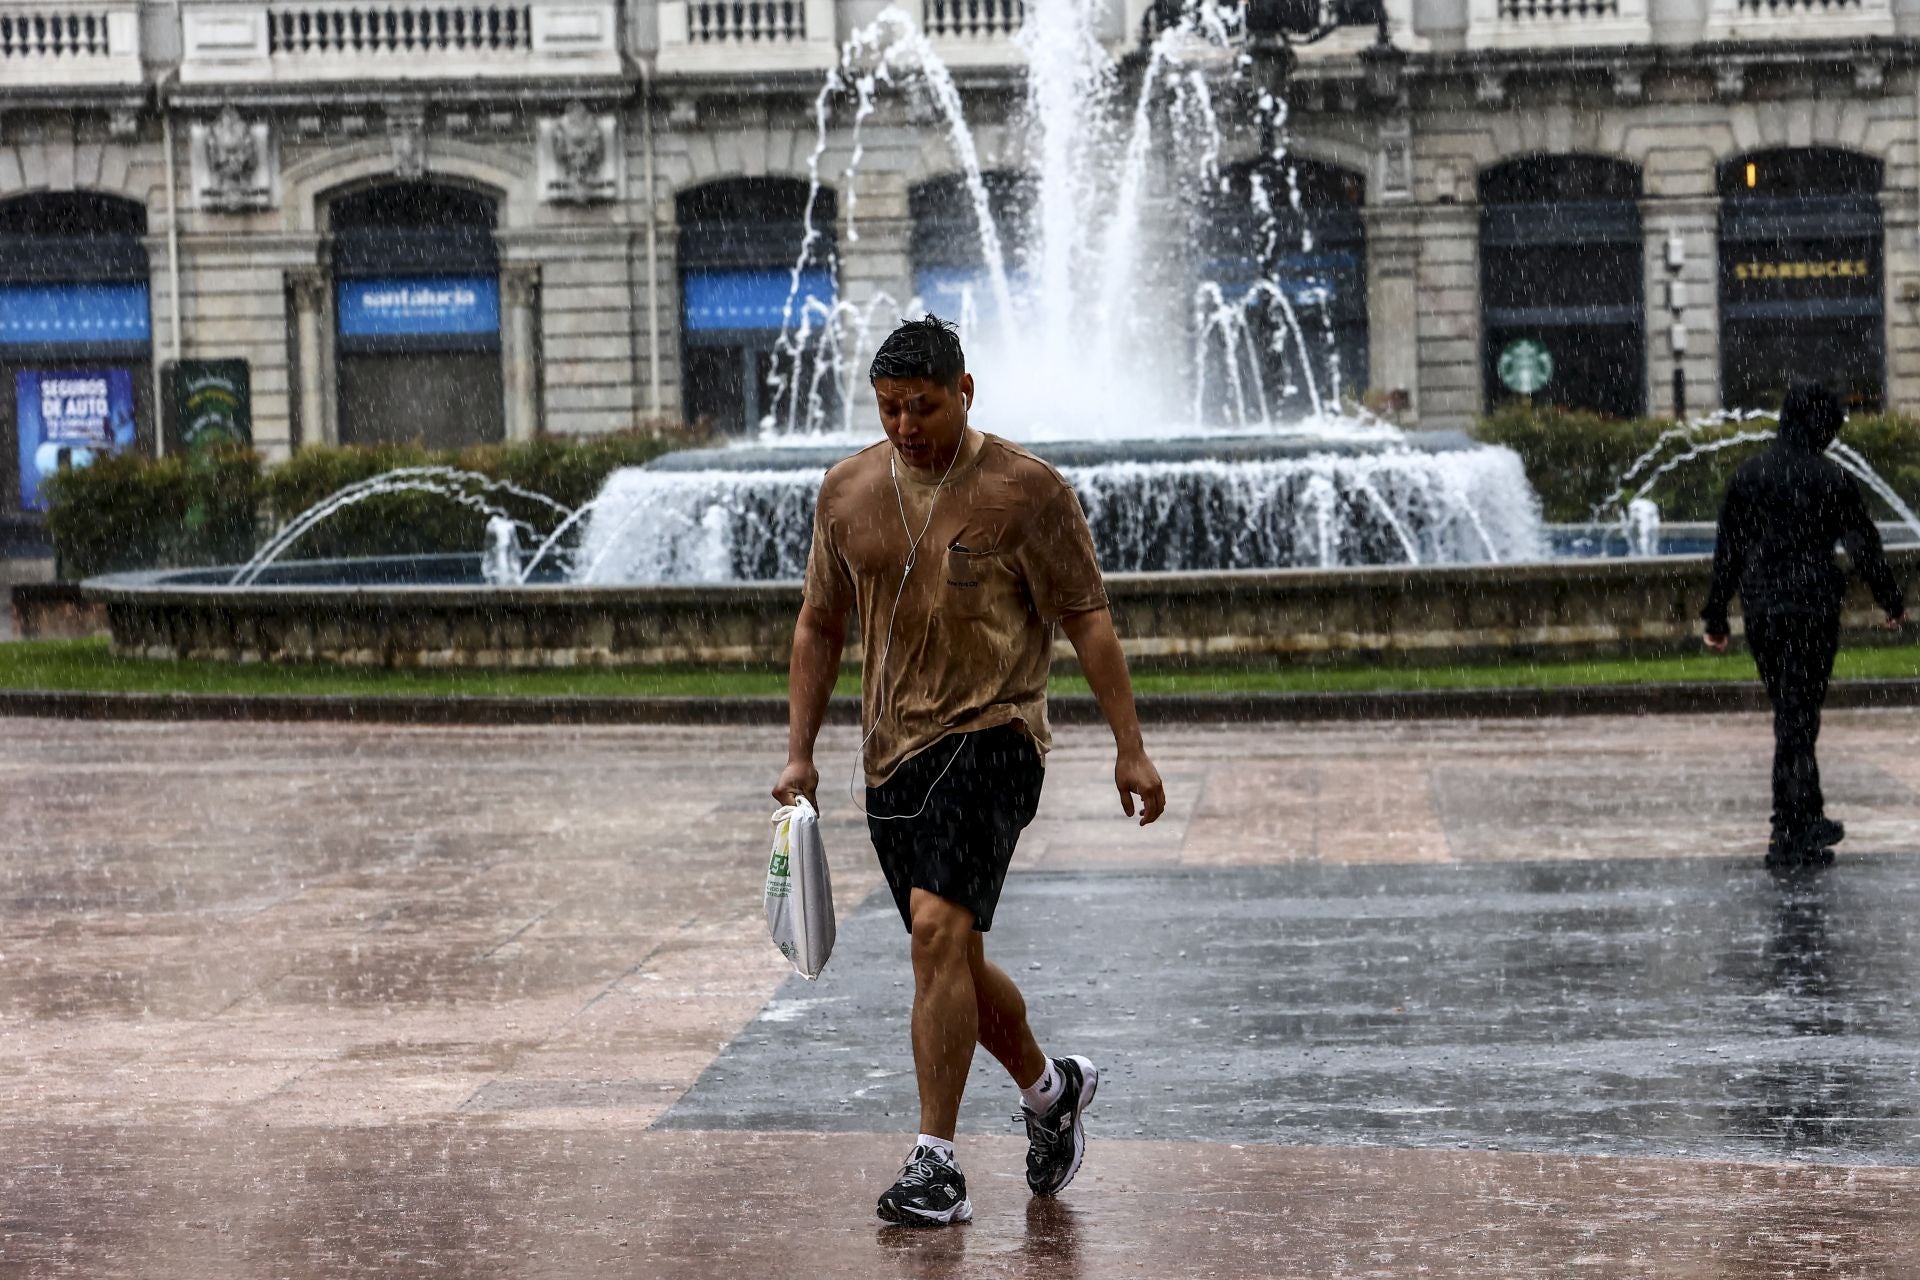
(210, 403)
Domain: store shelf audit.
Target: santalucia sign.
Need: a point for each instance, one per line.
(419, 299)
(1827, 269)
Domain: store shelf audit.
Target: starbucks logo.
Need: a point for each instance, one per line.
(1525, 366)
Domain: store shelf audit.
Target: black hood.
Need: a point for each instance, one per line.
(1810, 417)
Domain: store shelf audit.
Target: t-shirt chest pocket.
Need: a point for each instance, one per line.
(979, 584)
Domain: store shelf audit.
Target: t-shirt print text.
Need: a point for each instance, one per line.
(963, 568)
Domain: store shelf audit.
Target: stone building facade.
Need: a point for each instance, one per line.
(480, 220)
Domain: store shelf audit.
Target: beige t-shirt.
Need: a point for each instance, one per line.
(1008, 554)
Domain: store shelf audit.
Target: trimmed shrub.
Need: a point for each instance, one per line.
(130, 511)
(1575, 460)
(133, 512)
(569, 470)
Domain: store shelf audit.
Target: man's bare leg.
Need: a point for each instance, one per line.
(1002, 1016)
(946, 1019)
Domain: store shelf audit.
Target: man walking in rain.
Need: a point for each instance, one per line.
(1782, 515)
(961, 552)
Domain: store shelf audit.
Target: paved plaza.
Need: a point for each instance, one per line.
(1440, 998)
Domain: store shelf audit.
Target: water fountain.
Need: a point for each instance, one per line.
(1183, 460)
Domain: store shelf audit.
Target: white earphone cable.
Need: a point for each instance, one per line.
(886, 647)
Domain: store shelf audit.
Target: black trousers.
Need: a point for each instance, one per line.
(1794, 652)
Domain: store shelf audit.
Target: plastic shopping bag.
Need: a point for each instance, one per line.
(799, 891)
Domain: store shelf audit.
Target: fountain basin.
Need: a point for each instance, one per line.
(1385, 613)
(1356, 494)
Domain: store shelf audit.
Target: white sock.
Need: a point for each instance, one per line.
(1044, 1092)
(942, 1147)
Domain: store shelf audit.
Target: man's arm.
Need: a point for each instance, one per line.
(818, 639)
(1729, 558)
(1092, 636)
(1861, 538)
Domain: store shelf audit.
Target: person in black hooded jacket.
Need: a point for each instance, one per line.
(1782, 515)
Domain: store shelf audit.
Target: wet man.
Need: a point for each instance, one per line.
(960, 552)
(1783, 513)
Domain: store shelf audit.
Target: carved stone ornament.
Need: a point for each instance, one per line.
(1629, 82)
(1396, 158)
(232, 153)
(233, 164)
(407, 135)
(1729, 81)
(1490, 89)
(580, 147)
(576, 156)
(1869, 75)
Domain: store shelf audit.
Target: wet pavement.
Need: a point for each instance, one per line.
(1457, 999)
(1671, 1008)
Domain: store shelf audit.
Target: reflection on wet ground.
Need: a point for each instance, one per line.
(1670, 1007)
(470, 1201)
(1435, 998)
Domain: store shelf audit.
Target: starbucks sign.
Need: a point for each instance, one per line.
(1525, 366)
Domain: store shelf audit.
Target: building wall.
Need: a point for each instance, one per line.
(601, 274)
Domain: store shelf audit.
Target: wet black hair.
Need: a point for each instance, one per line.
(925, 348)
(1810, 415)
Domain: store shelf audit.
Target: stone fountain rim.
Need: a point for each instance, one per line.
(160, 587)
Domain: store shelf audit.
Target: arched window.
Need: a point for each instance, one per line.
(417, 294)
(740, 239)
(1562, 284)
(951, 275)
(1801, 249)
(75, 336)
(1296, 225)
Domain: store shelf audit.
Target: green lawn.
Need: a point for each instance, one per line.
(87, 665)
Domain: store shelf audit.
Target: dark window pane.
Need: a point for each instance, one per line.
(443, 400)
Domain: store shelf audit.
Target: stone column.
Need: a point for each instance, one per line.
(1393, 311)
(1692, 221)
(520, 354)
(309, 290)
(1901, 255)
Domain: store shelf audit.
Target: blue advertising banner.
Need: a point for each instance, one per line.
(419, 306)
(749, 299)
(68, 417)
(953, 293)
(45, 314)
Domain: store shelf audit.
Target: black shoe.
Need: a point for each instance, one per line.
(1798, 852)
(930, 1193)
(1824, 833)
(1057, 1141)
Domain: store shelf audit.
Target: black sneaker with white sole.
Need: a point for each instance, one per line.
(1057, 1141)
(930, 1193)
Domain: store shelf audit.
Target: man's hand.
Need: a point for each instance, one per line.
(799, 778)
(1135, 775)
(1896, 622)
(1717, 643)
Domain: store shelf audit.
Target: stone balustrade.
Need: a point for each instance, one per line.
(56, 45)
(986, 20)
(1523, 24)
(734, 37)
(1798, 19)
(326, 40)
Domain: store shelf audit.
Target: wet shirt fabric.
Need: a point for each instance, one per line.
(1782, 516)
(1007, 554)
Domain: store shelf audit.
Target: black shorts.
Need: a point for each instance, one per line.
(961, 844)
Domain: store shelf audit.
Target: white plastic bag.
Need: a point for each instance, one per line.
(799, 890)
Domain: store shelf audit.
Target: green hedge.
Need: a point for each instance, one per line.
(1575, 460)
(133, 512)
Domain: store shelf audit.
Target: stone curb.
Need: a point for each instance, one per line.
(1194, 708)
